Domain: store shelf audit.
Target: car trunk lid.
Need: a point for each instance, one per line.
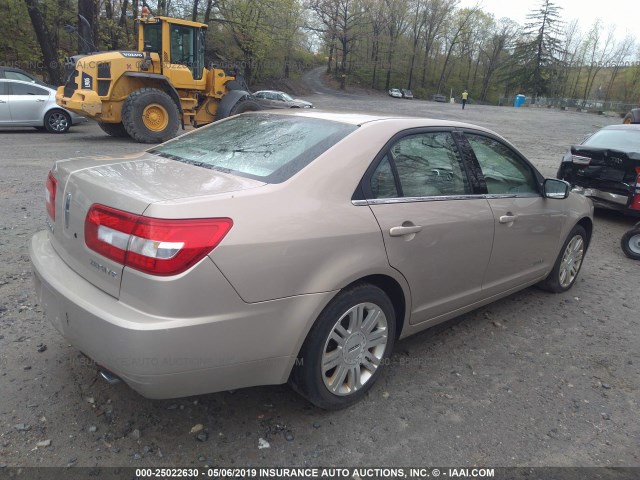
(129, 184)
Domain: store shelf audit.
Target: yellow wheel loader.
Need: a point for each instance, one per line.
(148, 94)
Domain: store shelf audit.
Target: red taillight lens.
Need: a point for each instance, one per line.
(635, 202)
(152, 245)
(50, 195)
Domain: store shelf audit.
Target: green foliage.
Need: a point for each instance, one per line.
(429, 46)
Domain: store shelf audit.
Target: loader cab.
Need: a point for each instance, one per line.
(179, 44)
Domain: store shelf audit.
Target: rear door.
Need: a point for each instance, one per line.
(436, 232)
(27, 103)
(527, 225)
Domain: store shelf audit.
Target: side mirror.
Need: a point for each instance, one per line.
(554, 188)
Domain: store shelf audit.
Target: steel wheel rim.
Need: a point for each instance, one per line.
(58, 121)
(634, 243)
(155, 117)
(354, 349)
(571, 261)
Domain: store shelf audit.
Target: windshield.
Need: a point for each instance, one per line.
(615, 139)
(287, 97)
(266, 147)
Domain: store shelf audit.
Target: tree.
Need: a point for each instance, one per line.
(437, 14)
(456, 30)
(46, 41)
(493, 50)
(396, 11)
(536, 56)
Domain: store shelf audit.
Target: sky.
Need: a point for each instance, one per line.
(623, 14)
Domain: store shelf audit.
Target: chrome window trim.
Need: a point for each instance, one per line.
(439, 198)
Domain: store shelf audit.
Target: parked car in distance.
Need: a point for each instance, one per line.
(13, 73)
(281, 246)
(276, 99)
(395, 93)
(407, 94)
(26, 104)
(606, 168)
(438, 97)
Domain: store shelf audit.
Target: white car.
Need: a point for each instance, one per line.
(27, 104)
(395, 93)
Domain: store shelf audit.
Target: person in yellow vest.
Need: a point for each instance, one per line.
(465, 95)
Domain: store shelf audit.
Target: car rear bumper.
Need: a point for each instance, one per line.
(253, 344)
(613, 199)
(607, 200)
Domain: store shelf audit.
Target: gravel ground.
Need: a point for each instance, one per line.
(532, 380)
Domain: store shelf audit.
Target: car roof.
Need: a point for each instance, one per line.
(364, 118)
(623, 126)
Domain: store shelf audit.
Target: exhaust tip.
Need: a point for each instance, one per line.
(109, 377)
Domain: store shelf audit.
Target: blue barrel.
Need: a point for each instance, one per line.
(519, 101)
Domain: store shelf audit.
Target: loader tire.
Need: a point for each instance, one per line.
(632, 117)
(245, 105)
(113, 129)
(149, 115)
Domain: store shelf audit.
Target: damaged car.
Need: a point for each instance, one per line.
(606, 168)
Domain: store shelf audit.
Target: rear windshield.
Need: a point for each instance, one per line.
(266, 147)
(624, 140)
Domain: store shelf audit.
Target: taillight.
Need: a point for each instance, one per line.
(635, 202)
(50, 195)
(156, 246)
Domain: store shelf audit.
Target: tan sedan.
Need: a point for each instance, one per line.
(274, 247)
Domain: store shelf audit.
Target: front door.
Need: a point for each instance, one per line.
(527, 226)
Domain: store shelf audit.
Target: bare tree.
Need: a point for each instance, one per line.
(437, 15)
(462, 20)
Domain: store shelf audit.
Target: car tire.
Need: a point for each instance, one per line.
(569, 261)
(245, 105)
(57, 121)
(150, 115)
(114, 129)
(338, 364)
(630, 243)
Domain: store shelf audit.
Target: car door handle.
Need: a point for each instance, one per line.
(408, 230)
(508, 218)
(2, 101)
(39, 100)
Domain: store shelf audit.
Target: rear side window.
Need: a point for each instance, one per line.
(270, 148)
(17, 76)
(426, 165)
(22, 89)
